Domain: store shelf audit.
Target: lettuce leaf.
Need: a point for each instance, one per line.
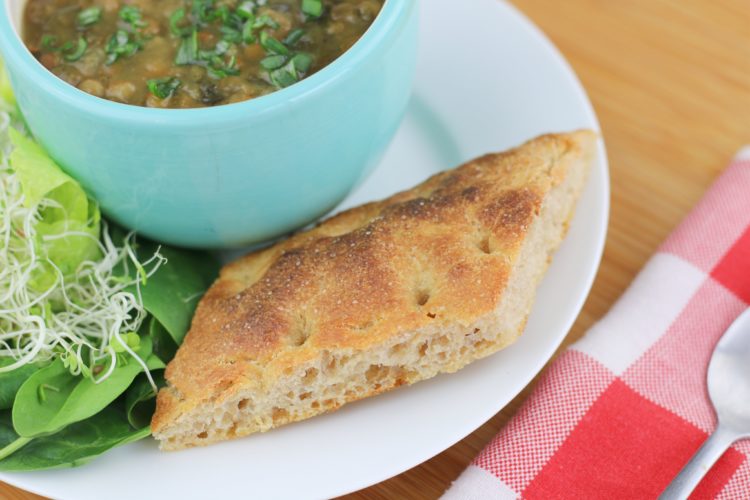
(74, 215)
(6, 92)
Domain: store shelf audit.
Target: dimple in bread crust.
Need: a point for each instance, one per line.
(380, 296)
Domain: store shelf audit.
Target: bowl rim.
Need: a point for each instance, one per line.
(391, 17)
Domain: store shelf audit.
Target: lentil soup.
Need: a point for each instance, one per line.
(191, 53)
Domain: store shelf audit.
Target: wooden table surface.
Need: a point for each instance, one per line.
(670, 81)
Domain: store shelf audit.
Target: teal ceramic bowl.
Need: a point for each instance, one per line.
(229, 175)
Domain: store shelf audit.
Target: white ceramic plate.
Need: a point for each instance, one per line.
(487, 79)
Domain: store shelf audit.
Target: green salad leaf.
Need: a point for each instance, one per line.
(6, 92)
(172, 294)
(52, 398)
(75, 445)
(10, 442)
(7, 434)
(40, 176)
(165, 347)
(68, 231)
(140, 399)
(11, 381)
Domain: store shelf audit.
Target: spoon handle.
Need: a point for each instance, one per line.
(683, 485)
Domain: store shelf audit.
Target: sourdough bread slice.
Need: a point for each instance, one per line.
(380, 296)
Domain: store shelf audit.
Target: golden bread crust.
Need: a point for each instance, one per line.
(440, 253)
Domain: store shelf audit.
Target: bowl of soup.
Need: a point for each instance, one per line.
(212, 123)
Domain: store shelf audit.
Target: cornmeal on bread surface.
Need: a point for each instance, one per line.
(379, 296)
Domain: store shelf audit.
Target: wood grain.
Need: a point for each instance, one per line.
(670, 80)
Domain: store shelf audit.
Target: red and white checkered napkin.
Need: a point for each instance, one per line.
(620, 413)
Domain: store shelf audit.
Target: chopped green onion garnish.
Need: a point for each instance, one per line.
(272, 45)
(88, 17)
(313, 8)
(265, 20)
(221, 47)
(121, 45)
(202, 10)
(248, 34)
(218, 70)
(126, 42)
(293, 37)
(174, 22)
(219, 73)
(163, 87)
(246, 10)
(49, 42)
(302, 62)
(220, 13)
(230, 34)
(235, 22)
(132, 15)
(188, 51)
(80, 49)
(283, 78)
(273, 62)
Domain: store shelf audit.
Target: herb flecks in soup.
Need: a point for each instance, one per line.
(191, 53)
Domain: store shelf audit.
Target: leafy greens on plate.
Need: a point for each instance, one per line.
(89, 315)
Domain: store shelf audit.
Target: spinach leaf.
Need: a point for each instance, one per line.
(75, 445)
(10, 442)
(172, 293)
(140, 399)
(52, 398)
(7, 434)
(12, 380)
(164, 345)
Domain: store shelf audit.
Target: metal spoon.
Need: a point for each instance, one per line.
(729, 389)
